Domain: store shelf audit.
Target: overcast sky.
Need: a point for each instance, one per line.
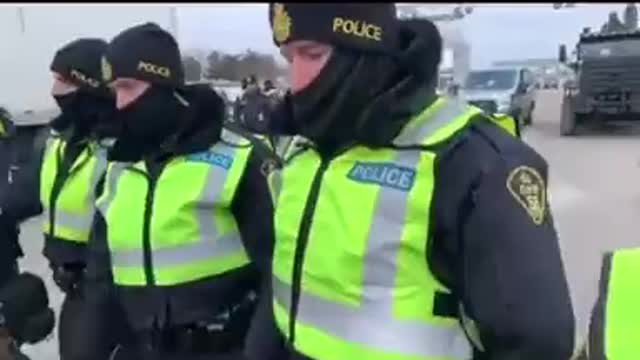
(495, 31)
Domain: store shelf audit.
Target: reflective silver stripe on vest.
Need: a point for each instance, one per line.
(373, 324)
(82, 222)
(450, 110)
(210, 243)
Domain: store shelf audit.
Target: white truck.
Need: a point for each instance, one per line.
(31, 35)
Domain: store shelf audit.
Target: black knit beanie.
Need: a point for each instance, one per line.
(79, 63)
(371, 27)
(145, 52)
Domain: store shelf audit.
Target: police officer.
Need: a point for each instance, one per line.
(10, 249)
(71, 167)
(615, 324)
(408, 226)
(184, 218)
(25, 315)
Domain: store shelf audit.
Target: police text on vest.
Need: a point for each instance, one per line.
(213, 158)
(383, 174)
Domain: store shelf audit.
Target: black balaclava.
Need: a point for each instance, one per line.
(362, 93)
(147, 52)
(90, 107)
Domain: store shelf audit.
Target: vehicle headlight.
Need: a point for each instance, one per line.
(504, 104)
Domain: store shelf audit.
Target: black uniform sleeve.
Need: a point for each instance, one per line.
(102, 319)
(501, 249)
(253, 209)
(23, 201)
(99, 279)
(596, 336)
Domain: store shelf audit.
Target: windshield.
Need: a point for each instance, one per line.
(603, 50)
(491, 80)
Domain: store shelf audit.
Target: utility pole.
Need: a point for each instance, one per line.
(21, 19)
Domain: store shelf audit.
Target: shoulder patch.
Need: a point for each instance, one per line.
(528, 188)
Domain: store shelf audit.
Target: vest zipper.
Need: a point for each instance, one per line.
(146, 235)
(146, 231)
(55, 191)
(152, 174)
(301, 245)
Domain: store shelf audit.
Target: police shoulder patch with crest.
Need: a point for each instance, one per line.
(528, 188)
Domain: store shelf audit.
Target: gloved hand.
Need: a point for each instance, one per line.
(68, 276)
(24, 309)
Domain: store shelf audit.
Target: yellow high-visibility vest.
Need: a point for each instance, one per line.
(365, 288)
(180, 228)
(615, 328)
(72, 210)
(507, 122)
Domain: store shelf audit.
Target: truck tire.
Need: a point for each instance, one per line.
(567, 119)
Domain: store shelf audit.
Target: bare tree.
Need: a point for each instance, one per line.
(236, 67)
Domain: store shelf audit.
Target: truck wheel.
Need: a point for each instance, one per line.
(567, 120)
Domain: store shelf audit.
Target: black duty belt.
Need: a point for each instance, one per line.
(193, 339)
(226, 332)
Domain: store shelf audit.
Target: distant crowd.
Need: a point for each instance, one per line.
(250, 107)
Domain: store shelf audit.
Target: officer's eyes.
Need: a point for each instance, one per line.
(314, 55)
(62, 80)
(314, 52)
(121, 85)
(308, 53)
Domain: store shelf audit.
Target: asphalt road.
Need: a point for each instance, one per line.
(592, 193)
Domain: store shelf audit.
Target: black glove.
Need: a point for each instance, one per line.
(24, 309)
(68, 277)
